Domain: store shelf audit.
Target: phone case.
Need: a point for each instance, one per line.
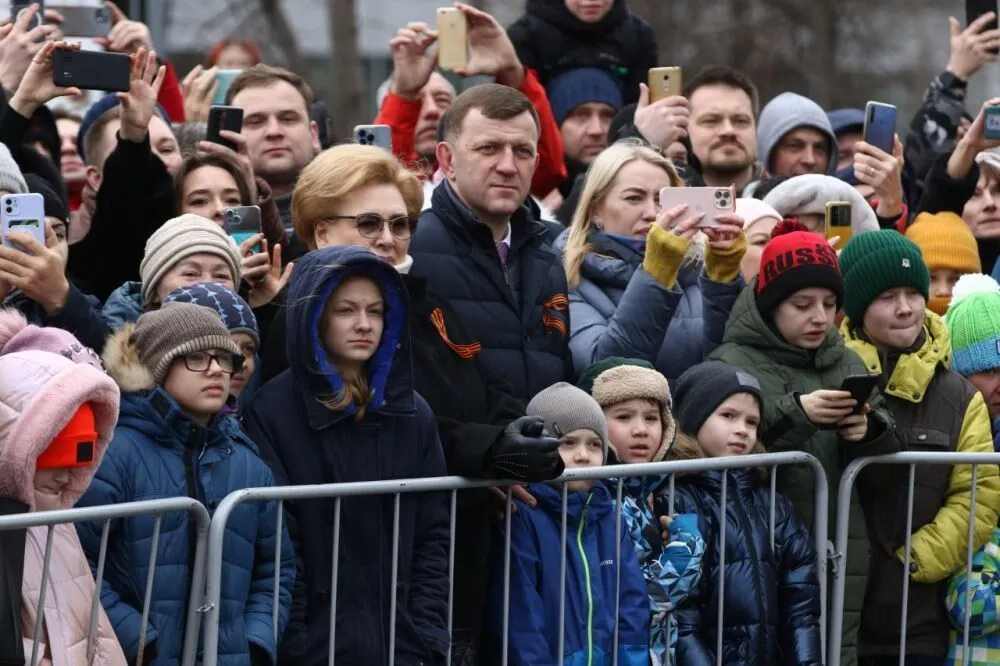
(838, 222)
(223, 118)
(664, 82)
(85, 22)
(453, 38)
(242, 222)
(374, 135)
(711, 201)
(23, 212)
(880, 125)
(91, 70)
(225, 78)
(991, 129)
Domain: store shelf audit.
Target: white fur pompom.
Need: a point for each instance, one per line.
(973, 283)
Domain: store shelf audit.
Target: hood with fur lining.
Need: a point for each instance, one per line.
(627, 382)
(121, 359)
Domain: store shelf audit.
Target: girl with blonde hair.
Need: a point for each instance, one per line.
(640, 284)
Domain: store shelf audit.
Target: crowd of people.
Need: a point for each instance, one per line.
(501, 296)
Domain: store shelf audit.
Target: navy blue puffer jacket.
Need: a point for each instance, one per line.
(771, 602)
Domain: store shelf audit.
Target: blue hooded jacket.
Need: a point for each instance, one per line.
(157, 452)
(592, 577)
(308, 443)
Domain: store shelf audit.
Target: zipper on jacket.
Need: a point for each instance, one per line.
(755, 565)
(586, 580)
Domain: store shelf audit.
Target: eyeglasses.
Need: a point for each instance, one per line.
(369, 225)
(202, 361)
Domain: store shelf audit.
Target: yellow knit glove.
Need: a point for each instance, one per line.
(724, 265)
(664, 254)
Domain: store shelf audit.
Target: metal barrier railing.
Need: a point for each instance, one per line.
(156, 508)
(848, 479)
(397, 488)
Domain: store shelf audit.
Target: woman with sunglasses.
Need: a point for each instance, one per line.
(177, 436)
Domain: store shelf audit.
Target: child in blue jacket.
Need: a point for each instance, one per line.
(594, 573)
(771, 603)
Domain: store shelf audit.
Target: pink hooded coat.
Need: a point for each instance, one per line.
(39, 392)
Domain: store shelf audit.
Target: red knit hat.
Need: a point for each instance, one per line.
(796, 258)
(74, 446)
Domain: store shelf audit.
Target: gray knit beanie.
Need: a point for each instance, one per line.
(177, 329)
(180, 238)
(11, 179)
(629, 382)
(566, 408)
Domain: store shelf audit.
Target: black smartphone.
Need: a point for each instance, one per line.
(976, 8)
(91, 70)
(224, 118)
(18, 6)
(860, 387)
(85, 21)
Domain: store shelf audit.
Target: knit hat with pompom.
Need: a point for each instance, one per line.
(973, 320)
(794, 259)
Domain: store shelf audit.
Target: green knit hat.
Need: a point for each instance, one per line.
(876, 261)
(974, 322)
(588, 376)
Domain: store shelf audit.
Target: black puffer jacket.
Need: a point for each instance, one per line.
(550, 40)
(771, 598)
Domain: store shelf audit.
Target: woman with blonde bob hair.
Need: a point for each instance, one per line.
(358, 195)
(640, 284)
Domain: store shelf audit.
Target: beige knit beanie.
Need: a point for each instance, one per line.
(626, 382)
(176, 329)
(180, 238)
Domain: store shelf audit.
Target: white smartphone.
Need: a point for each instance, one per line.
(22, 212)
(374, 135)
(711, 201)
(453, 38)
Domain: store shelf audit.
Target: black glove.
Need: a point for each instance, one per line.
(258, 657)
(525, 453)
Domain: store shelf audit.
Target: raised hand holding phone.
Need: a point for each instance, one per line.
(970, 47)
(139, 103)
(37, 86)
(199, 88)
(126, 36)
(34, 267)
(491, 53)
(661, 122)
(20, 40)
(412, 65)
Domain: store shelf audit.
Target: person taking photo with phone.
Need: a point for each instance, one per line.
(782, 330)
(641, 283)
(886, 288)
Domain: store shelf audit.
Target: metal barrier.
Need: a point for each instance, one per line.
(912, 459)
(212, 607)
(106, 514)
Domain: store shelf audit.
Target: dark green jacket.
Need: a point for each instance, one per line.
(785, 372)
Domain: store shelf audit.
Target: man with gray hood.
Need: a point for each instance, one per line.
(794, 137)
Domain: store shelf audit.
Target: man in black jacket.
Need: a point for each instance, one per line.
(479, 247)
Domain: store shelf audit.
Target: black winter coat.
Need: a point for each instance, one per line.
(771, 602)
(306, 443)
(550, 40)
(524, 333)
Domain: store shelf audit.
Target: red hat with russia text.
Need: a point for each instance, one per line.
(796, 258)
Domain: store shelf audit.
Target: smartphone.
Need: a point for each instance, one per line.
(453, 38)
(91, 70)
(85, 21)
(860, 387)
(976, 8)
(22, 212)
(991, 130)
(18, 6)
(880, 125)
(225, 78)
(664, 82)
(711, 201)
(374, 135)
(838, 222)
(242, 222)
(224, 118)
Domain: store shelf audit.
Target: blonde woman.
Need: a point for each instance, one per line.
(640, 284)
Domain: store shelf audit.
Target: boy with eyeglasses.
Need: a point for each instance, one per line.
(177, 436)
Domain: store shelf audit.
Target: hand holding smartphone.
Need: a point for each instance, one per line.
(860, 387)
(880, 126)
(664, 82)
(838, 223)
(453, 38)
(710, 201)
(91, 70)
(24, 213)
(976, 8)
(220, 118)
(242, 222)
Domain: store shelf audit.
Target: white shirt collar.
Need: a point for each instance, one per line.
(506, 239)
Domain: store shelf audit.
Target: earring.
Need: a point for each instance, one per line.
(598, 225)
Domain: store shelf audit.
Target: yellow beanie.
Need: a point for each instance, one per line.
(946, 242)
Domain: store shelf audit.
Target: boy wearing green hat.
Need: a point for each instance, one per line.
(908, 348)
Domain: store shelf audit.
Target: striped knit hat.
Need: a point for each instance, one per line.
(235, 312)
(974, 322)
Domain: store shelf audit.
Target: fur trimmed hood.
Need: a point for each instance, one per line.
(121, 358)
(628, 382)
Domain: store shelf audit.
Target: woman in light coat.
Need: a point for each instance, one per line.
(57, 414)
(641, 286)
